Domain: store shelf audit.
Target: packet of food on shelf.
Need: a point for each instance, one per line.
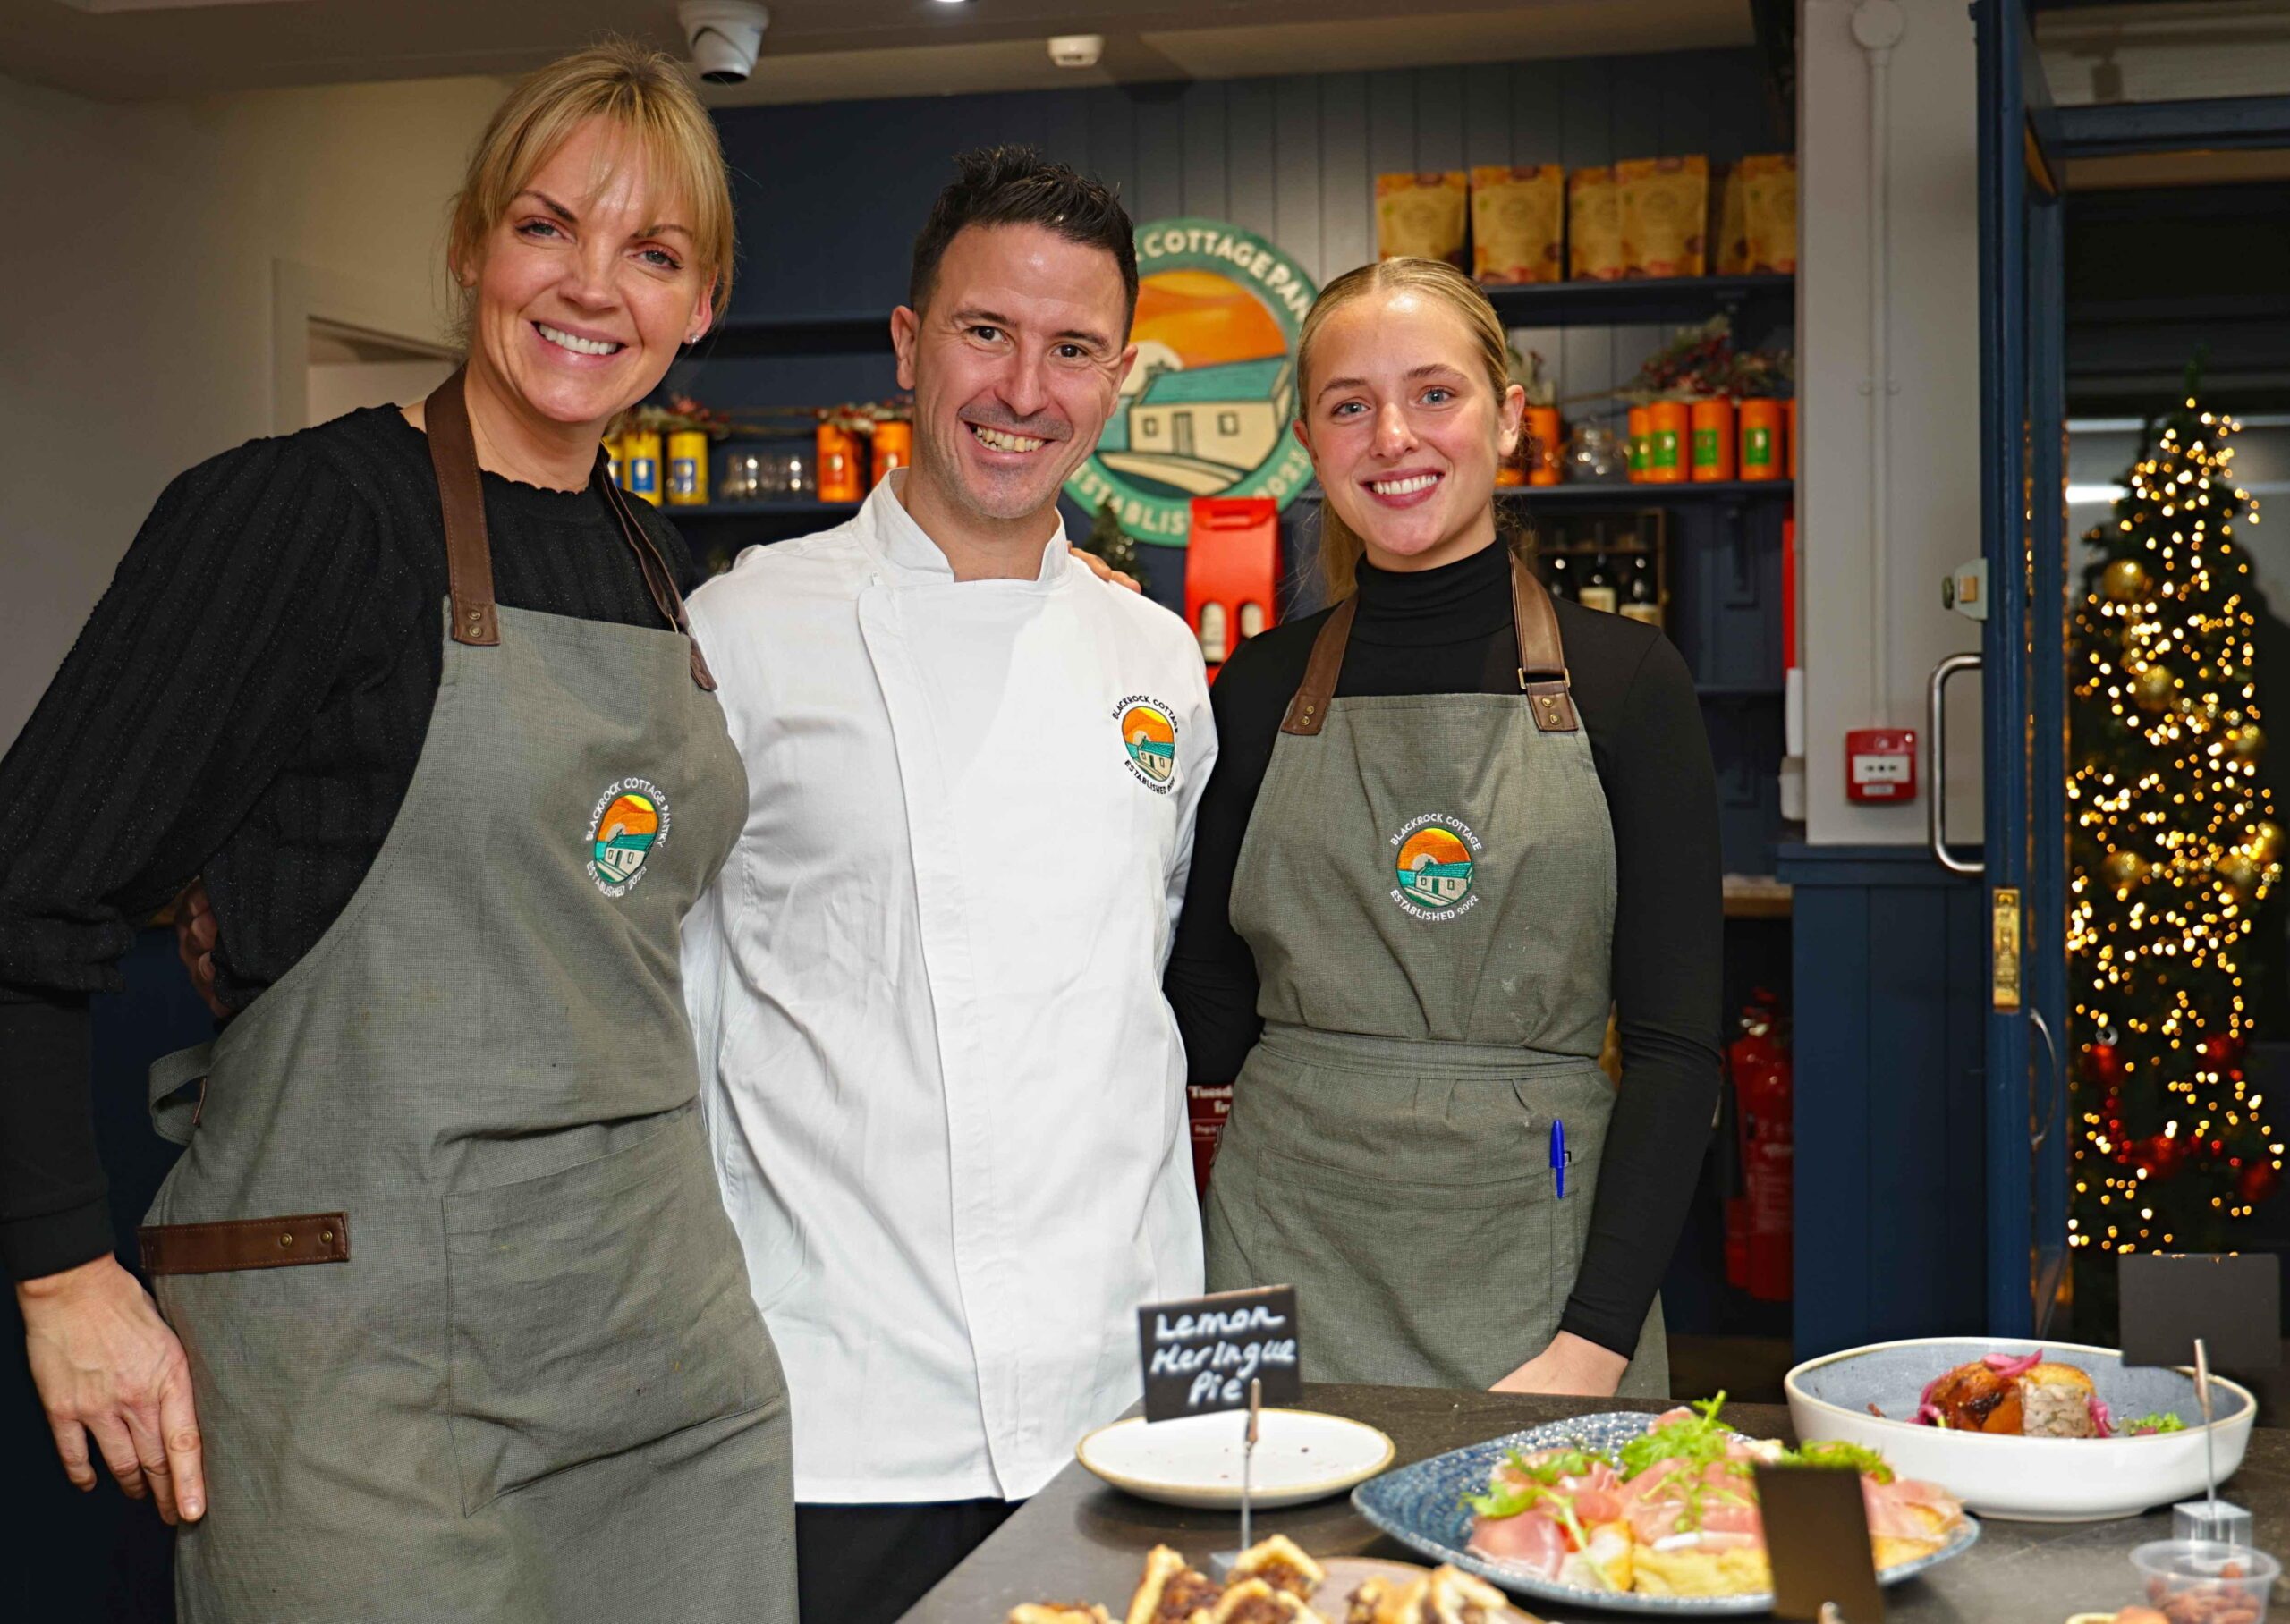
(1422, 216)
(1518, 222)
(1593, 227)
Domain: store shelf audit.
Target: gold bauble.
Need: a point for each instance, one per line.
(2266, 843)
(2125, 580)
(2154, 687)
(2125, 868)
(2239, 872)
(2248, 742)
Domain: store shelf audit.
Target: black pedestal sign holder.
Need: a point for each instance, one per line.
(1236, 1350)
(2203, 1309)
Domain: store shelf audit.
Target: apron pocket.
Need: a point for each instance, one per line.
(594, 1311)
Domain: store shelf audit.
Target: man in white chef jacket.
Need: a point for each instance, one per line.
(946, 1095)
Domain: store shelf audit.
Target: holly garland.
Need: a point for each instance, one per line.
(2172, 846)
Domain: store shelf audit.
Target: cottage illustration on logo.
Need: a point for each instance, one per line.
(1148, 736)
(630, 821)
(1433, 866)
(1206, 408)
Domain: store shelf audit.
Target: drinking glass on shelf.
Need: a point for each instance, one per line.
(742, 479)
(1595, 454)
(796, 478)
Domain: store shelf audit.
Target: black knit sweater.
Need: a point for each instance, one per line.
(246, 703)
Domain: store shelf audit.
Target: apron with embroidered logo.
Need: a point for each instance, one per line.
(493, 1357)
(1426, 884)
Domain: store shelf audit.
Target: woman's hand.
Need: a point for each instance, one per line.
(106, 1365)
(1570, 1364)
(1106, 571)
(196, 937)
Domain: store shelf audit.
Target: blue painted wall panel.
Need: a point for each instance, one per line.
(1890, 1119)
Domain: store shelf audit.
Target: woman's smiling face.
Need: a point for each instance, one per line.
(1405, 428)
(588, 285)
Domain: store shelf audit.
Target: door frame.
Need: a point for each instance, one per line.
(2023, 182)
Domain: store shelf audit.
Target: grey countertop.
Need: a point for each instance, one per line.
(1079, 1539)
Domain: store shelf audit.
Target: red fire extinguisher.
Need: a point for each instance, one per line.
(1758, 1221)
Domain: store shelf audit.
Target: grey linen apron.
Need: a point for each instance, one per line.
(1428, 886)
(497, 1360)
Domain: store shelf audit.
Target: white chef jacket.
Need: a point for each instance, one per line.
(944, 1094)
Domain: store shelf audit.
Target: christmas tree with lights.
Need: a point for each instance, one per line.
(2172, 846)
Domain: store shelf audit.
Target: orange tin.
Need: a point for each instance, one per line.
(1760, 439)
(1641, 442)
(1712, 455)
(839, 476)
(1541, 446)
(1667, 426)
(894, 447)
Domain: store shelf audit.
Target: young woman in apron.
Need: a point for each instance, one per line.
(466, 1327)
(1451, 823)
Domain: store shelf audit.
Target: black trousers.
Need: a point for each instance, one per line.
(869, 1564)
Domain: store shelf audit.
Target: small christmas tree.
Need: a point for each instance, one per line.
(2172, 845)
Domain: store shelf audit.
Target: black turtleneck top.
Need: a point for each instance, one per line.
(1447, 630)
(246, 704)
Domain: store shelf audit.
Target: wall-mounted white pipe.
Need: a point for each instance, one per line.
(1876, 27)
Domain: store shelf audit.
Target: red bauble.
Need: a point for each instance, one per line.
(2221, 1048)
(2107, 1066)
(2257, 1182)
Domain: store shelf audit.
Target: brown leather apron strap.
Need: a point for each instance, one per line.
(244, 1243)
(1542, 656)
(657, 577)
(461, 497)
(1542, 660)
(1309, 708)
(468, 551)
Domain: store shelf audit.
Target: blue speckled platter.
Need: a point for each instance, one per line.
(1421, 1506)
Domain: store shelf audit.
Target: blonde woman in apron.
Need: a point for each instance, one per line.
(464, 1331)
(1453, 823)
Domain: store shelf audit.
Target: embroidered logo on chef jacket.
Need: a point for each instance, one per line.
(630, 822)
(1151, 739)
(1434, 857)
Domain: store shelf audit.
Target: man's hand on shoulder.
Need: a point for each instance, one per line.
(1106, 571)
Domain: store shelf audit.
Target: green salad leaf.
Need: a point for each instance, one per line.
(1837, 1452)
(1694, 1441)
(2162, 1421)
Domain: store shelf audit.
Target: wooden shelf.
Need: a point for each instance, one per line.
(1758, 896)
(1681, 298)
(1622, 494)
(1550, 304)
(769, 513)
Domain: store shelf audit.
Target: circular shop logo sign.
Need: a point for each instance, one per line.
(1432, 865)
(1207, 408)
(630, 820)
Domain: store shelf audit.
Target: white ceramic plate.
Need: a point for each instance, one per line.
(1300, 1455)
(2030, 1479)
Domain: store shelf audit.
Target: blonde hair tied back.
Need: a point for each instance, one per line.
(640, 92)
(1341, 548)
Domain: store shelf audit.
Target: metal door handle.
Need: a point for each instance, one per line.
(1936, 762)
(2056, 1099)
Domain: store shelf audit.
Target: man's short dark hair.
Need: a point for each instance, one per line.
(1017, 186)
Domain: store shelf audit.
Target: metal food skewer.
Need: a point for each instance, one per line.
(1248, 1459)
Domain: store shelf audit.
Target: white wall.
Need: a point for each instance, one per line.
(155, 246)
(1932, 520)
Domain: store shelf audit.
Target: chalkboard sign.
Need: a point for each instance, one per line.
(2233, 1302)
(1201, 1355)
(1816, 1540)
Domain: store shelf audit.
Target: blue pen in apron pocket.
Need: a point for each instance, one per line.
(1558, 1156)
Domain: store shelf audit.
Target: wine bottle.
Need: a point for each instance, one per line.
(1598, 590)
(1640, 600)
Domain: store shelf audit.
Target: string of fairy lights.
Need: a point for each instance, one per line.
(2172, 848)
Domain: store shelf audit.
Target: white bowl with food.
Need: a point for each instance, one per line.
(2041, 1432)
